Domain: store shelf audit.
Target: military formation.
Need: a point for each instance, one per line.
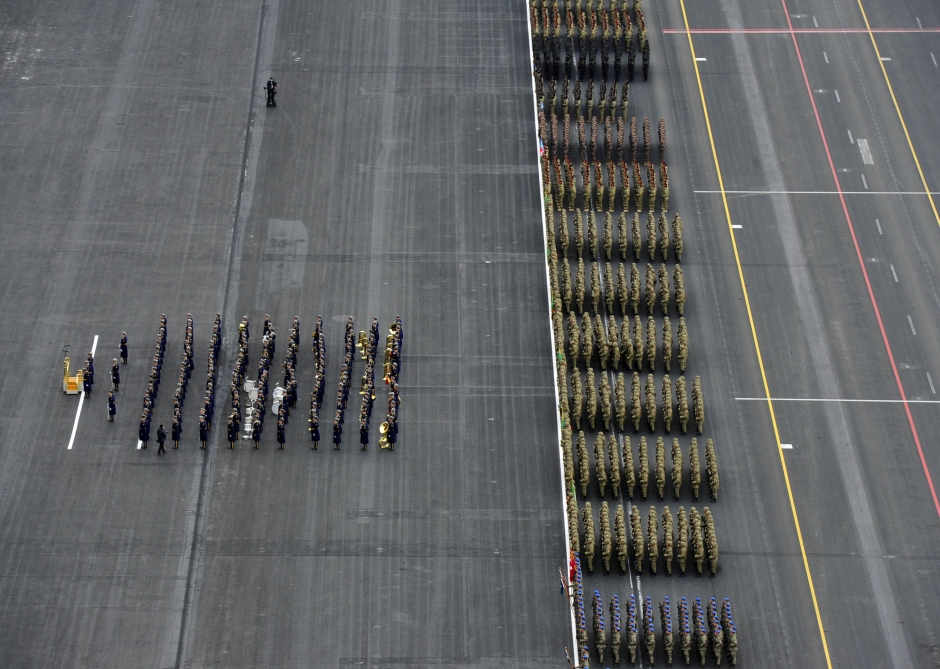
(288, 399)
(392, 366)
(316, 397)
(179, 397)
(368, 346)
(153, 384)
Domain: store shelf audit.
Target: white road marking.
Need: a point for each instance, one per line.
(930, 381)
(851, 141)
(878, 223)
(865, 150)
(838, 99)
(816, 192)
(894, 273)
(911, 323)
(918, 23)
(81, 401)
(864, 182)
(826, 56)
(934, 59)
(885, 59)
(815, 22)
(139, 444)
(701, 59)
(786, 446)
(826, 399)
(736, 226)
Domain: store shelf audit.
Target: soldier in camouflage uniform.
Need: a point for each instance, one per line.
(731, 633)
(660, 468)
(711, 467)
(591, 397)
(639, 546)
(649, 630)
(609, 229)
(635, 233)
(635, 289)
(698, 404)
(626, 343)
(668, 540)
(717, 634)
(711, 541)
(651, 245)
(682, 404)
(636, 408)
(603, 346)
(667, 403)
(606, 543)
(579, 232)
(600, 632)
(614, 334)
(574, 339)
(663, 228)
(587, 520)
(650, 289)
(577, 400)
(600, 467)
(701, 633)
(595, 288)
(587, 339)
(667, 344)
(614, 466)
(638, 344)
(584, 465)
(651, 402)
(682, 539)
(695, 471)
(615, 634)
(644, 468)
(664, 288)
(652, 538)
(622, 238)
(685, 632)
(579, 286)
(678, 280)
(592, 233)
(676, 469)
(620, 396)
(620, 530)
(632, 631)
(677, 245)
(698, 540)
(683, 345)
(605, 401)
(629, 472)
(651, 342)
(623, 290)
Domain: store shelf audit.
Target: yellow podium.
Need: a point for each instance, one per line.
(71, 385)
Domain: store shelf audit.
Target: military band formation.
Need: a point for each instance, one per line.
(250, 398)
(699, 628)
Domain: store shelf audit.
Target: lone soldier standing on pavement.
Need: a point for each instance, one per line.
(203, 429)
(256, 433)
(124, 347)
(111, 408)
(175, 432)
(115, 376)
(161, 439)
(232, 432)
(281, 437)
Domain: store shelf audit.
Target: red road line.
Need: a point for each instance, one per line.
(783, 31)
(861, 263)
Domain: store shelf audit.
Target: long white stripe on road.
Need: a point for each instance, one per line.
(827, 399)
(81, 401)
(815, 192)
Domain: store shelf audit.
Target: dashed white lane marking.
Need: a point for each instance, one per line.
(826, 56)
(827, 399)
(911, 323)
(865, 150)
(786, 446)
(815, 22)
(81, 401)
(838, 99)
(701, 59)
(878, 223)
(934, 59)
(864, 182)
(816, 192)
(851, 141)
(918, 23)
(885, 59)
(895, 274)
(736, 226)
(930, 381)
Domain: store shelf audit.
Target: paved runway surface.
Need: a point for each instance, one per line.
(398, 175)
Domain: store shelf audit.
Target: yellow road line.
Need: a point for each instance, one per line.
(760, 360)
(897, 108)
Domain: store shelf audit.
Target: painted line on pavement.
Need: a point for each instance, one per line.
(81, 401)
(757, 350)
(815, 192)
(911, 323)
(831, 399)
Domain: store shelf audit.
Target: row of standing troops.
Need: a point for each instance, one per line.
(289, 396)
(153, 384)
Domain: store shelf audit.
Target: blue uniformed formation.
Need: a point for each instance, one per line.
(238, 378)
(369, 346)
(731, 632)
(393, 348)
(600, 632)
(316, 397)
(685, 636)
(289, 399)
(615, 632)
(649, 629)
(186, 370)
(580, 621)
(342, 393)
(665, 622)
(88, 375)
(633, 636)
(150, 396)
(701, 632)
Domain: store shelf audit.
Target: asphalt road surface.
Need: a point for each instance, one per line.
(398, 175)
